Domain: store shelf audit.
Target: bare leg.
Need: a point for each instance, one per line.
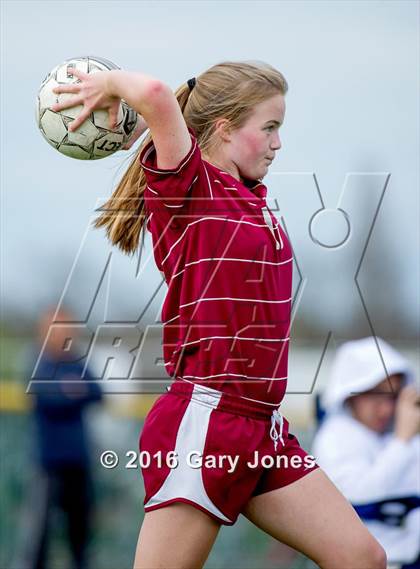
(312, 516)
(177, 536)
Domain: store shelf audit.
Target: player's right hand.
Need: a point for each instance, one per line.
(91, 91)
(407, 414)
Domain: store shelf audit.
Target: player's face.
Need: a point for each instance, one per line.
(375, 408)
(253, 147)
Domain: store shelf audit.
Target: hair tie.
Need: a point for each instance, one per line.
(191, 83)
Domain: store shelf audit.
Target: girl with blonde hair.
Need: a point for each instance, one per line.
(218, 443)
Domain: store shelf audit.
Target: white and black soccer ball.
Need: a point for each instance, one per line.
(93, 139)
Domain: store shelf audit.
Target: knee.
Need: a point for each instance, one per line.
(369, 555)
(376, 555)
(380, 556)
(365, 554)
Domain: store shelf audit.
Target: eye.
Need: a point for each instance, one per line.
(270, 128)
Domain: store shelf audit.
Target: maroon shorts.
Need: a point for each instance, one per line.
(215, 451)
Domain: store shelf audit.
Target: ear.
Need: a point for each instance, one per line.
(223, 129)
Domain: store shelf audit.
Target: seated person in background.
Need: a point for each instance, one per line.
(369, 443)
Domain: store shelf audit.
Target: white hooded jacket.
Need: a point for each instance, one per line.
(378, 473)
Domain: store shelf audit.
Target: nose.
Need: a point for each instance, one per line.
(276, 142)
(386, 408)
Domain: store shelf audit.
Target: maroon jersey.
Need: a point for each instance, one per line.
(228, 267)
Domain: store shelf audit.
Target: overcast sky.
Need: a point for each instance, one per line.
(353, 73)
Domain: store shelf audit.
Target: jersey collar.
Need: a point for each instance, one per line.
(256, 187)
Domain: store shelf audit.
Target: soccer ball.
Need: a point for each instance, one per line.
(93, 139)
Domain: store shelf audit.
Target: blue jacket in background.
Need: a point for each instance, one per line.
(59, 412)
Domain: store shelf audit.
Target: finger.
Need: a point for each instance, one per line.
(67, 88)
(130, 141)
(113, 116)
(409, 394)
(141, 123)
(79, 120)
(77, 73)
(140, 129)
(73, 102)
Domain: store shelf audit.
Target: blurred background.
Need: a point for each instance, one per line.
(350, 143)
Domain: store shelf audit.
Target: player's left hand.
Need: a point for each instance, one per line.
(91, 91)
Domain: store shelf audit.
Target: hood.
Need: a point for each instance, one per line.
(359, 366)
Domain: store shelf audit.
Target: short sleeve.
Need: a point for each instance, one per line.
(170, 187)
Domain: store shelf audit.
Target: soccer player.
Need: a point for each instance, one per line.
(196, 184)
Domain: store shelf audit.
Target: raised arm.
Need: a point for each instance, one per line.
(150, 97)
(155, 101)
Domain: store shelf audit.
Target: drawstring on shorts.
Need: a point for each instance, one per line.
(276, 417)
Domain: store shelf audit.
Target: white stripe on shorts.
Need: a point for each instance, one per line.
(184, 481)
